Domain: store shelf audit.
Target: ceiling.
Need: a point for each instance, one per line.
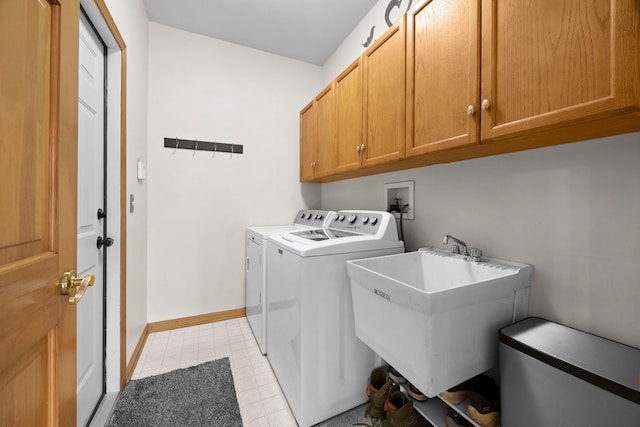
(307, 30)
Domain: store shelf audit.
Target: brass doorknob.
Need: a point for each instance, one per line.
(75, 286)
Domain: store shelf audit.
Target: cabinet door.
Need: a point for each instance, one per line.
(325, 133)
(552, 63)
(307, 142)
(384, 97)
(443, 83)
(348, 117)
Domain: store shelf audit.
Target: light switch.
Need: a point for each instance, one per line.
(132, 203)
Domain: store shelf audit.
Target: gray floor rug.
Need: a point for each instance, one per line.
(202, 395)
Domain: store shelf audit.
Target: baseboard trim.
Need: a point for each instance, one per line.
(131, 367)
(166, 325)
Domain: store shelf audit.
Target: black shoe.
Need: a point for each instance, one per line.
(396, 376)
(416, 394)
(459, 393)
(454, 419)
(484, 401)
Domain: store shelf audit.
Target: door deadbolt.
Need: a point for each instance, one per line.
(104, 242)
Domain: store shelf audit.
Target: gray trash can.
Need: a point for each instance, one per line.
(555, 376)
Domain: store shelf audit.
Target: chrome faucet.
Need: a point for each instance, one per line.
(455, 249)
(476, 254)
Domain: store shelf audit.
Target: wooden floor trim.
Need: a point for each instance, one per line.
(166, 325)
(135, 357)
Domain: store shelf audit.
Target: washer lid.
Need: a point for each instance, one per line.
(320, 234)
(346, 244)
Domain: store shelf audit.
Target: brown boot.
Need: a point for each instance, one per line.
(377, 390)
(400, 412)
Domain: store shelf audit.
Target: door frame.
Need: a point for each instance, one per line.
(115, 346)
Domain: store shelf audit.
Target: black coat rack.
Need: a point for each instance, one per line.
(195, 145)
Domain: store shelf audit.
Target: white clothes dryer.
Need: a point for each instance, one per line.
(256, 266)
(322, 367)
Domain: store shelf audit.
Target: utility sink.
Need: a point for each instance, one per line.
(434, 316)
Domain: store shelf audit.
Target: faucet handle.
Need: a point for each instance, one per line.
(455, 249)
(476, 253)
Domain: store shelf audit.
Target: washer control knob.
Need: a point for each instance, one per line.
(341, 218)
(309, 215)
(374, 221)
(302, 215)
(352, 218)
(320, 216)
(365, 219)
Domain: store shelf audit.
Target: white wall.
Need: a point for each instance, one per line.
(131, 19)
(200, 204)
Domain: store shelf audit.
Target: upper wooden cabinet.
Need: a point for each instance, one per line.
(384, 125)
(348, 118)
(549, 64)
(443, 82)
(317, 137)
(308, 142)
(325, 132)
(473, 78)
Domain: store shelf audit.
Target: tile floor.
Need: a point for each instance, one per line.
(260, 398)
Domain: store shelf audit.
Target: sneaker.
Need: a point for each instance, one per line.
(377, 390)
(454, 419)
(396, 376)
(459, 393)
(400, 412)
(484, 401)
(416, 394)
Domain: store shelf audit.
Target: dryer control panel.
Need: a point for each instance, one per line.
(314, 218)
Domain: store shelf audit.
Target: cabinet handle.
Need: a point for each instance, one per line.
(470, 110)
(486, 105)
(362, 147)
(357, 148)
(313, 164)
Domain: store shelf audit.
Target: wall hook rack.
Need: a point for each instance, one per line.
(196, 145)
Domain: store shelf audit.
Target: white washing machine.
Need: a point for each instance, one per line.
(256, 267)
(322, 367)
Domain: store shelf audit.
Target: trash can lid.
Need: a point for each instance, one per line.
(607, 364)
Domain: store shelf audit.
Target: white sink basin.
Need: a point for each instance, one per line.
(435, 317)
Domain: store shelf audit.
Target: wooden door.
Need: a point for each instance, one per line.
(348, 118)
(384, 97)
(325, 133)
(307, 142)
(551, 63)
(38, 142)
(443, 76)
